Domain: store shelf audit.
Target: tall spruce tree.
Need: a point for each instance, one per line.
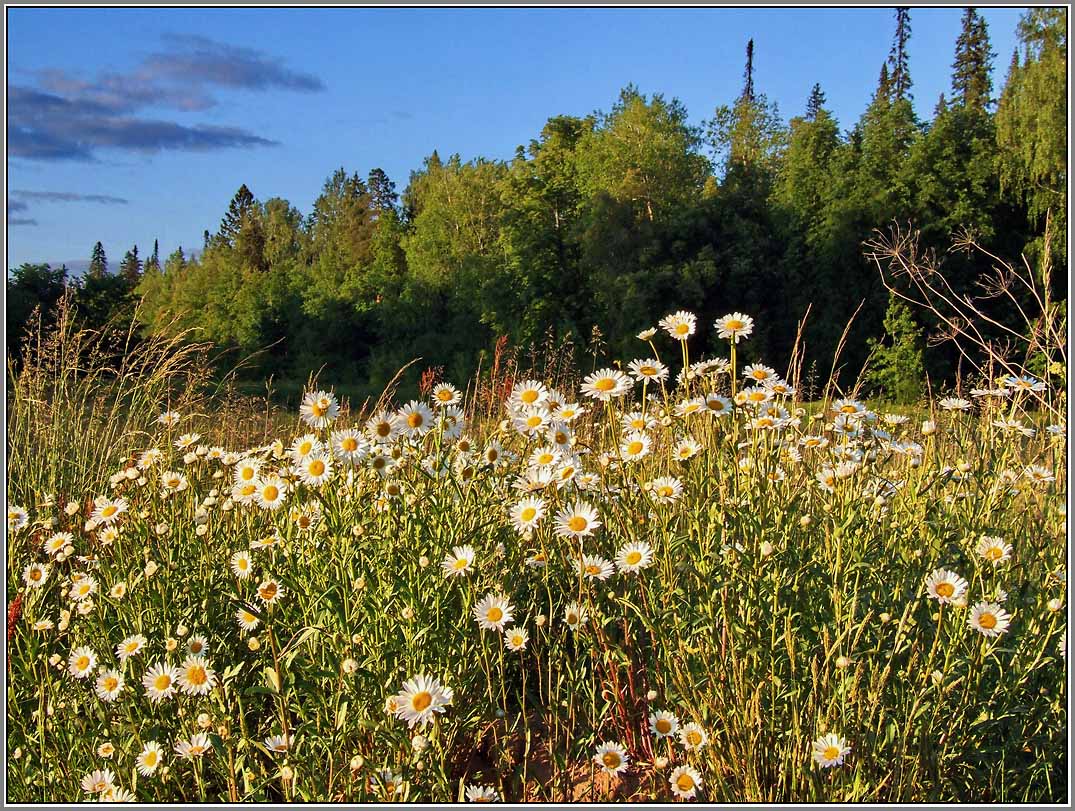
(816, 103)
(898, 58)
(154, 262)
(240, 207)
(971, 84)
(98, 262)
(748, 74)
(131, 266)
(382, 192)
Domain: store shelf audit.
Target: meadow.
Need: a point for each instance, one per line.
(667, 578)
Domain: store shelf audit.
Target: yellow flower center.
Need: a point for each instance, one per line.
(647, 371)
(665, 491)
(945, 589)
(460, 564)
(634, 448)
(987, 621)
(533, 421)
(162, 682)
(494, 614)
(109, 511)
(994, 553)
(684, 782)
(572, 618)
(110, 683)
(82, 662)
(267, 591)
(197, 676)
(306, 447)
(517, 640)
(35, 574)
(421, 700)
(663, 725)
(831, 753)
(317, 468)
(349, 444)
(415, 419)
(150, 758)
(605, 384)
(682, 329)
(545, 459)
(593, 570)
(757, 396)
(694, 738)
(318, 410)
(733, 324)
(577, 523)
(131, 647)
(383, 429)
(529, 396)
(610, 759)
(633, 557)
(491, 454)
(848, 409)
(247, 489)
(528, 514)
(271, 493)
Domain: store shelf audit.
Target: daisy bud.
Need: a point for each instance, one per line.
(822, 727)
(151, 568)
(929, 427)
(222, 731)
(539, 621)
(228, 505)
(843, 662)
(142, 481)
(963, 467)
(171, 644)
(937, 677)
(287, 773)
(419, 743)
(423, 561)
(420, 766)
(68, 551)
(357, 762)
(408, 612)
(204, 721)
(17, 753)
(660, 762)
(766, 549)
(879, 501)
(201, 530)
(885, 617)
(218, 474)
(131, 473)
(350, 666)
(805, 521)
(253, 643)
(960, 601)
(1055, 604)
(161, 528)
(71, 508)
(55, 659)
(651, 695)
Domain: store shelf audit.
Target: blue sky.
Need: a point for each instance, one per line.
(129, 125)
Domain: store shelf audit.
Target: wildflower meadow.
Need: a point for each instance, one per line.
(666, 578)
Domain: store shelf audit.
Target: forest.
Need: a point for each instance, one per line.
(603, 223)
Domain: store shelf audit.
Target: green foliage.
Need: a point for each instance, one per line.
(897, 367)
(1031, 123)
(603, 221)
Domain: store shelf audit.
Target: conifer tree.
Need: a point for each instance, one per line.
(98, 262)
(971, 85)
(815, 103)
(748, 74)
(240, 207)
(898, 58)
(153, 263)
(131, 266)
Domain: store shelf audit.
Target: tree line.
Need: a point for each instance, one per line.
(604, 223)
